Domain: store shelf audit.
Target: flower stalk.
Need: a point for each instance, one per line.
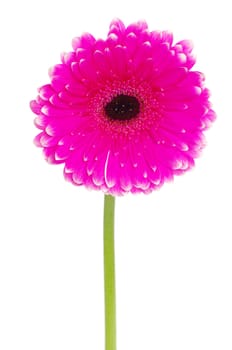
(109, 274)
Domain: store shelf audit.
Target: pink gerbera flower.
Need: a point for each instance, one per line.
(124, 114)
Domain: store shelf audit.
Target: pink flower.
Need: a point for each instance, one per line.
(124, 114)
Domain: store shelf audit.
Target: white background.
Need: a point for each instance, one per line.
(173, 247)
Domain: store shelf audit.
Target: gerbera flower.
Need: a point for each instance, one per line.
(124, 114)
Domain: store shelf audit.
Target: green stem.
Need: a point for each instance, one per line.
(109, 274)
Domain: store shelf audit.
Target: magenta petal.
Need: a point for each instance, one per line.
(46, 92)
(35, 107)
(142, 56)
(101, 63)
(87, 41)
(171, 77)
(167, 37)
(137, 27)
(61, 126)
(87, 70)
(131, 43)
(111, 169)
(117, 27)
(119, 61)
(186, 46)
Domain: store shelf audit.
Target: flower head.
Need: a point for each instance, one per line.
(124, 114)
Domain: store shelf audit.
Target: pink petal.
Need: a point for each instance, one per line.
(101, 63)
(171, 77)
(137, 27)
(117, 27)
(131, 42)
(87, 70)
(118, 60)
(86, 41)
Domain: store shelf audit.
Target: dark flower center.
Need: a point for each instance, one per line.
(122, 107)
